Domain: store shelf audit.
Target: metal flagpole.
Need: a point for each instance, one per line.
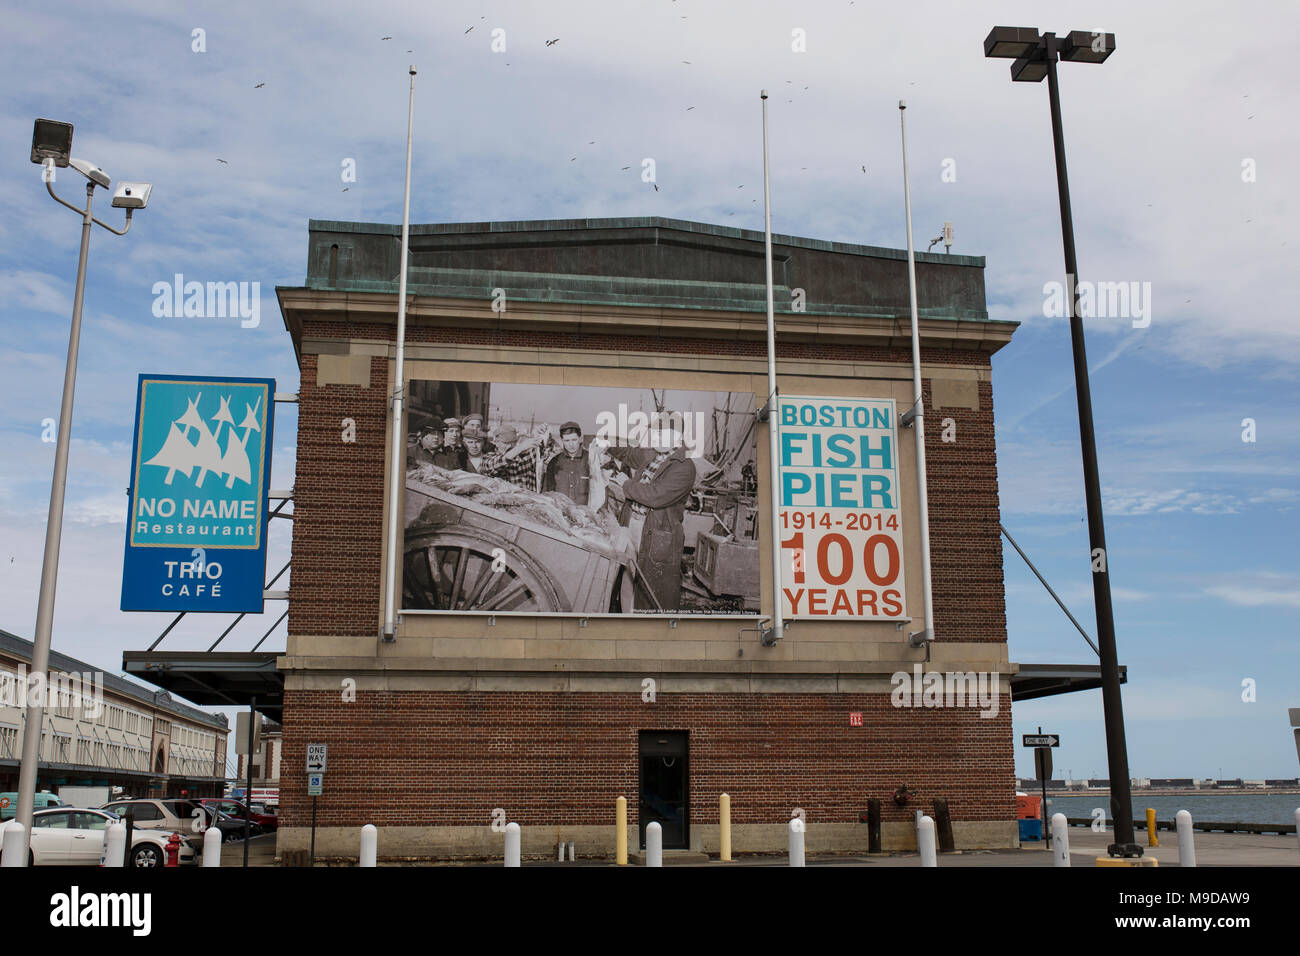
(777, 630)
(916, 415)
(398, 462)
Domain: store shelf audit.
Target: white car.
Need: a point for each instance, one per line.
(75, 837)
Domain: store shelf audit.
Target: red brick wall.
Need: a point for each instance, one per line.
(424, 758)
(339, 489)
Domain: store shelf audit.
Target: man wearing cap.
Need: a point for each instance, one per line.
(514, 461)
(474, 419)
(451, 454)
(475, 459)
(569, 472)
(656, 494)
(428, 443)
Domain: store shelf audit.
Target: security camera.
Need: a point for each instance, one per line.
(131, 195)
(90, 171)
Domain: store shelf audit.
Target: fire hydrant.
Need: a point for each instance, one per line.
(173, 850)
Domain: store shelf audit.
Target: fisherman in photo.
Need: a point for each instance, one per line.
(515, 460)
(654, 511)
(569, 472)
(475, 460)
(452, 454)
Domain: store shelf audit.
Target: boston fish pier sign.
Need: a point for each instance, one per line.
(196, 535)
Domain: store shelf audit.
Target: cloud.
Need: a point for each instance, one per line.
(1247, 596)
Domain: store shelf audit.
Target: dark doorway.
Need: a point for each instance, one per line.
(663, 786)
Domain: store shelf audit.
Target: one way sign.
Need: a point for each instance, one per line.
(1041, 740)
(316, 757)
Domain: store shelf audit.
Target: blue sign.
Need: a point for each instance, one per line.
(200, 475)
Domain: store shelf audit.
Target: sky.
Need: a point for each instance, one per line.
(1181, 150)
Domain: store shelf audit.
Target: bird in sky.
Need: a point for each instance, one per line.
(346, 188)
(385, 38)
(572, 158)
(259, 86)
(220, 160)
(864, 169)
(471, 28)
(687, 62)
(656, 186)
(689, 108)
(553, 42)
(627, 167)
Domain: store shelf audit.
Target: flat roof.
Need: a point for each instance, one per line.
(1048, 680)
(213, 678)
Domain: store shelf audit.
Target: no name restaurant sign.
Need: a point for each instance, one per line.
(841, 511)
(200, 476)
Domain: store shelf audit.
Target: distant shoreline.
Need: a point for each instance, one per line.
(1172, 791)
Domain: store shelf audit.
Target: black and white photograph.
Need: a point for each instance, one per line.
(580, 500)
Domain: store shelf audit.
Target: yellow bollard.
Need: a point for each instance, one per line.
(1152, 839)
(724, 827)
(620, 831)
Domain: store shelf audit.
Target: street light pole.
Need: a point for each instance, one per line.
(53, 538)
(51, 147)
(1036, 57)
(1121, 802)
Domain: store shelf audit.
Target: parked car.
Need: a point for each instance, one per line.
(9, 803)
(73, 836)
(235, 808)
(168, 816)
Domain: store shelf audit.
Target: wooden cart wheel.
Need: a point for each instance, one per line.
(468, 569)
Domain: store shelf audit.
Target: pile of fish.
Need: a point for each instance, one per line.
(547, 508)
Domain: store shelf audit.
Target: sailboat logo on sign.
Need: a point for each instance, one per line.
(179, 454)
(199, 473)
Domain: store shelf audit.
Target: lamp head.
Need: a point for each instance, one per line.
(90, 171)
(51, 140)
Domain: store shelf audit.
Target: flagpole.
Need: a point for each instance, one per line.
(916, 415)
(777, 630)
(398, 458)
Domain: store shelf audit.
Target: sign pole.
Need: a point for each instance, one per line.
(1042, 776)
(398, 463)
(248, 794)
(777, 631)
(313, 831)
(916, 414)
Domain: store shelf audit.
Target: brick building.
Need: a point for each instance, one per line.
(546, 715)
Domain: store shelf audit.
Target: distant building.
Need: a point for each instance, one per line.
(266, 762)
(143, 741)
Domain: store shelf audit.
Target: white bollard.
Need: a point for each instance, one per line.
(115, 845)
(1186, 846)
(561, 852)
(512, 844)
(212, 847)
(1060, 840)
(654, 844)
(925, 842)
(796, 842)
(369, 846)
(11, 851)
(1297, 823)
(573, 851)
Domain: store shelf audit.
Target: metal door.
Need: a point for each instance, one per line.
(664, 786)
